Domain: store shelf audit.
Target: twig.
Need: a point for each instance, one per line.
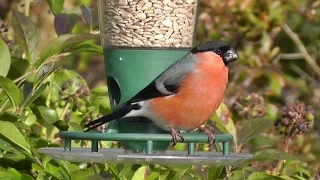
(66, 108)
(302, 49)
(305, 75)
(279, 163)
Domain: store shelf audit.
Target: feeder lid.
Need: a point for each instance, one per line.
(158, 157)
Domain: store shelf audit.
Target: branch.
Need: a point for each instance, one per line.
(302, 49)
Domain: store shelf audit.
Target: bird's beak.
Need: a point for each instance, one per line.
(230, 56)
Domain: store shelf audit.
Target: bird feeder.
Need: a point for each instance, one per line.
(141, 39)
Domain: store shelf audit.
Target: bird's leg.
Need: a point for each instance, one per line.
(207, 131)
(175, 135)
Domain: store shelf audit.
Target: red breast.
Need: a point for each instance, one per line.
(199, 95)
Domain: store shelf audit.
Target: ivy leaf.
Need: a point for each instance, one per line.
(5, 58)
(64, 23)
(12, 134)
(11, 90)
(56, 6)
(27, 34)
(64, 44)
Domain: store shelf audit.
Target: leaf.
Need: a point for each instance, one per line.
(11, 90)
(153, 176)
(90, 16)
(251, 128)
(87, 47)
(272, 154)
(5, 58)
(18, 67)
(113, 169)
(63, 43)
(215, 172)
(180, 173)
(82, 174)
(64, 23)
(27, 34)
(86, 12)
(263, 176)
(140, 173)
(15, 173)
(76, 126)
(61, 125)
(6, 175)
(34, 95)
(276, 84)
(26, 176)
(30, 120)
(224, 117)
(56, 6)
(13, 135)
(48, 114)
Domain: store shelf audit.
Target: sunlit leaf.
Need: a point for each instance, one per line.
(87, 47)
(15, 173)
(12, 134)
(153, 176)
(113, 169)
(5, 58)
(140, 173)
(27, 35)
(56, 6)
(83, 173)
(224, 117)
(6, 175)
(276, 83)
(11, 90)
(64, 43)
(48, 114)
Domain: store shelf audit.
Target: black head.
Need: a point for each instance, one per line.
(227, 53)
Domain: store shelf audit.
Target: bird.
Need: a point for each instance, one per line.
(185, 95)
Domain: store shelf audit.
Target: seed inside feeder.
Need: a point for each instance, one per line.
(148, 23)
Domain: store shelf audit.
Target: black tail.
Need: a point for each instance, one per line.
(110, 117)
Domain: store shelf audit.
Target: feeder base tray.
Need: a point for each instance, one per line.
(157, 157)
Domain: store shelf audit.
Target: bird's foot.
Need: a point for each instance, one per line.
(211, 136)
(175, 135)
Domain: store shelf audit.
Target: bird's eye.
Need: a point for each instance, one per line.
(218, 51)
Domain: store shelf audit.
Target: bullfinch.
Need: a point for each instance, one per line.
(185, 95)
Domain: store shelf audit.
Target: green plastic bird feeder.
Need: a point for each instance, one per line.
(141, 39)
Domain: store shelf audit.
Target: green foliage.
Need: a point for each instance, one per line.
(39, 98)
(5, 57)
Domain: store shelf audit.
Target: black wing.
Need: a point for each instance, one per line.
(151, 91)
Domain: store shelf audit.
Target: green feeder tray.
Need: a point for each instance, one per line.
(148, 155)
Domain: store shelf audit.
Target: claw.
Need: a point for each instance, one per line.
(175, 135)
(210, 134)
